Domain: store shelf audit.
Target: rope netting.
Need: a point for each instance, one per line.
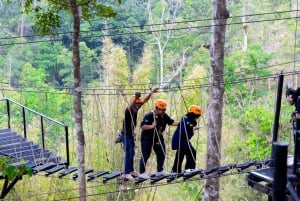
(248, 109)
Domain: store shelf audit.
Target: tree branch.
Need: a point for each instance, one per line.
(178, 69)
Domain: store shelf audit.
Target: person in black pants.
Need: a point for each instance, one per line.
(153, 126)
(181, 140)
(127, 133)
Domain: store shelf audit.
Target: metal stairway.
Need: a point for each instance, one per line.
(32, 148)
(21, 150)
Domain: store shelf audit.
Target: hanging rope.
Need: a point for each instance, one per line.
(101, 111)
(180, 91)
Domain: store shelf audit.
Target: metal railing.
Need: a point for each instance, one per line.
(24, 111)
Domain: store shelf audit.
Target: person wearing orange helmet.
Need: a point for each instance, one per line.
(127, 133)
(181, 140)
(153, 126)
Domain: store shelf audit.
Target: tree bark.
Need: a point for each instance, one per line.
(215, 107)
(77, 101)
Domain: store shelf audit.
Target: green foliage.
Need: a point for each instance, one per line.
(11, 172)
(46, 57)
(252, 144)
(143, 71)
(64, 67)
(46, 21)
(88, 63)
(256, 125)
(47, 96)
(47, 17)
(191, 190)
(32, 77)
(114, 63)
(89, 11)
(257, 119)
(240, 65)
(196, 77)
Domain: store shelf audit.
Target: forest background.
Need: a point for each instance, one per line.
(153, 44)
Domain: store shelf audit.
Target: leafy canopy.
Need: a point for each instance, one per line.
(47, 17)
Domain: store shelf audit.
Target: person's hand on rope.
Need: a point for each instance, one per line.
(154, 90)
(154, 124)
(293, 117)
(197, 128)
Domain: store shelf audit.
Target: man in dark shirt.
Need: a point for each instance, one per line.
(292, 97)
(181, 140)
(127, 133)
(153, 126)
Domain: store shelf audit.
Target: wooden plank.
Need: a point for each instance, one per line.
(67, 171)
(112, 175)
(226, 168)
(241, 167)
(210, 170)
(155, 178)
(43, 167)
(139, 180)
(174, 176)
(191, 174)
(86, 171)
(54, 169)
(97, 174)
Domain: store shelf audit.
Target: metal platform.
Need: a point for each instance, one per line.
(262, 180)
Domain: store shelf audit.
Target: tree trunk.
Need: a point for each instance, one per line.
(215, 107)
(77, 101)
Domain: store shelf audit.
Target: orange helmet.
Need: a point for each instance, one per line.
(137, 100)
(161, 104)
(195, 109)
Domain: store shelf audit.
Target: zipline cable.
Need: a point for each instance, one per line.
(108, 88)
(146, 32)
(149, 25)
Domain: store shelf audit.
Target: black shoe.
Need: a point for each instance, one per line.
(118, 140)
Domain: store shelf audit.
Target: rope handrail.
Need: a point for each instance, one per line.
(33, 111)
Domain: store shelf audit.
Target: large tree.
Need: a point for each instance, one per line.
(47, 19)
(215, 107)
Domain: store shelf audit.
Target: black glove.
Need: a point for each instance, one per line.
(137, 94)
